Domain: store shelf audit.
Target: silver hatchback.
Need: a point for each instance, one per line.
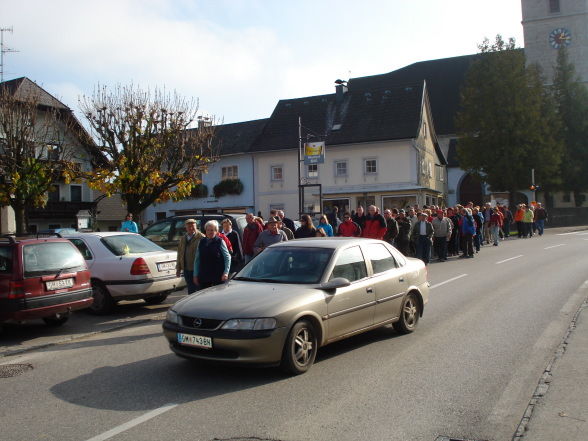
(297, 296)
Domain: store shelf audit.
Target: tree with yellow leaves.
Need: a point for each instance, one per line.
(153, 152)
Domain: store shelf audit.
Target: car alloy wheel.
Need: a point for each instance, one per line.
(300, 349)
(409, 315)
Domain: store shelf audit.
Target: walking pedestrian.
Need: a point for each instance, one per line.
(540, 218)
(495, 225)
(422, 236)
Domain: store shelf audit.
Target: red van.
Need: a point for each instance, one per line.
(43, 278)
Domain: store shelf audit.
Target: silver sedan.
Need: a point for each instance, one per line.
(297, 296)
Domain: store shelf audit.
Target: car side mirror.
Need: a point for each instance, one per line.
(337, 282)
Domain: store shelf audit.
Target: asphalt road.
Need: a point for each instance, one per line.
(469, 371)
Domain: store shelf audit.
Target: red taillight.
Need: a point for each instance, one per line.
(139, 267)
(15, 290)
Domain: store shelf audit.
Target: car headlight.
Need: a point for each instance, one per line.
(172, 316)
(259, 324)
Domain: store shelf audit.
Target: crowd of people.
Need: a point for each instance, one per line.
(430, 232)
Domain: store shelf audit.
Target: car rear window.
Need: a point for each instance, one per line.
(5, 260)
(122, 244)
(50, 258)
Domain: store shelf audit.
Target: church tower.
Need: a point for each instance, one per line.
(550, 24)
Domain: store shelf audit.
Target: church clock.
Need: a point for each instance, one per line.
(560, 37)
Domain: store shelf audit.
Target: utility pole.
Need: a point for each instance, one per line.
(4, 50)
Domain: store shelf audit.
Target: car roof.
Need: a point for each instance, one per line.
(16, 239)
(325, 242)
(100, 234)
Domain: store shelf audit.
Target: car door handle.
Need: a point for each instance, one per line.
(401, 279)
(369, 290)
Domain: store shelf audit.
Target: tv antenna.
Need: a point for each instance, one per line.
(4, 50)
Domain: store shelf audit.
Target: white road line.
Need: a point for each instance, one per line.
(582, 234)
(447, 281)
(506, 260)
(133, 423)
(554, 246)
(566, 234)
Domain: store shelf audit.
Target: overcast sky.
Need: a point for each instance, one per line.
(238, 57)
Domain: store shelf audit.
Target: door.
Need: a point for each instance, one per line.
(387, 280)
(350, 308)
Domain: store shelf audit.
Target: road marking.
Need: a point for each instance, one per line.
(554, 246)
(506, 260)
(130, 424)
(582, 234)
(577, 233)
(447, 281)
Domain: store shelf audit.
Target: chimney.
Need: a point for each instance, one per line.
(340, 90)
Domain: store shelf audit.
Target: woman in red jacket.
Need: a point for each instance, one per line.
(375, 224)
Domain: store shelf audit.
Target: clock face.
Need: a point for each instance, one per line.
(560, 37)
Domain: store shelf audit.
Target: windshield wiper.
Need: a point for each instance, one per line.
(253, 279)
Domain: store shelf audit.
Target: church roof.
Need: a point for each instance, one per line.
(444, 78)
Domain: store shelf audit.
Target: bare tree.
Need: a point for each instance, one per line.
(35, 149)
(153, 153)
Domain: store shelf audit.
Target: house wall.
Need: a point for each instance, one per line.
(402, 175)
(244, 201)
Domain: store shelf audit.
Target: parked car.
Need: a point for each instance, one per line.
(167, 232)
(126, 266)
(296, 296)
(42, 279)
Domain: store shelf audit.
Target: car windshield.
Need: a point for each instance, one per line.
(287, 265)
(122, 244)
(50, 258)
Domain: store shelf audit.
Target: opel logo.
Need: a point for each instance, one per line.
(197, 322)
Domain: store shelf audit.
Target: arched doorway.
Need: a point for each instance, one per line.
(470, 190)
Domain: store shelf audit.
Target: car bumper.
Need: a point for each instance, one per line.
(144, 287)
(262, 348)
(44, 306)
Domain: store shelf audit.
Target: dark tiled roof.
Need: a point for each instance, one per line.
(238, 137)
(22, 88)
(444, 78)
(366, 115)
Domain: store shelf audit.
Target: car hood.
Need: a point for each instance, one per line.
(239, 299)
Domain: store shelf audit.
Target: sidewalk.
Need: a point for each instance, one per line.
(561, 414)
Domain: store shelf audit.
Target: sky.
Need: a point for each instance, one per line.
(238, 58)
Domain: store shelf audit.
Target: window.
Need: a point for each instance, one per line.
(5, 260)
(76, 193)
(371, 166)
(231, 172)
(312, 170)
(81, 245)
(277, 174)
(380, 258)
(340, 168)
(553, 6)
(350, 265)
(53, 194)
(53, 152)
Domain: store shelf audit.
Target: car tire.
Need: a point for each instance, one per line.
(103, 301)
(300, 348)
(56, 320)
(409, 315)
(156, 300)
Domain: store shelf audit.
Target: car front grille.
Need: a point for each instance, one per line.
(204, 323)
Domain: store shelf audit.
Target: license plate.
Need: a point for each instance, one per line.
(59, 284)
(166, 266)
(195, 340)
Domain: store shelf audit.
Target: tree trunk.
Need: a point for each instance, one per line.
(20, 219)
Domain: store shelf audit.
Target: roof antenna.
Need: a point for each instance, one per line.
(4, 50)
